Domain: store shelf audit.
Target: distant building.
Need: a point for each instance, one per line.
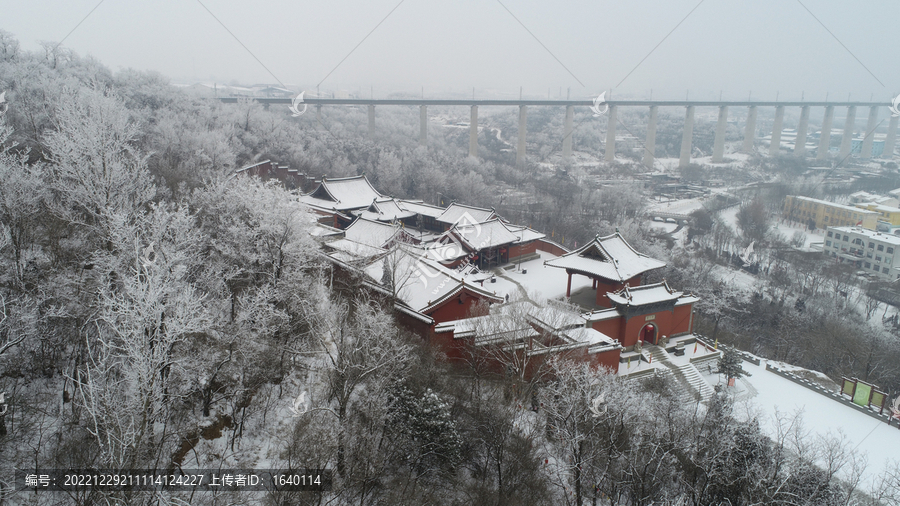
(817, 213)
(877, 147)
(861, 197)
(887, 214)
(875, 253)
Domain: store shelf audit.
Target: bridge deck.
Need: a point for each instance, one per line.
(557, 103)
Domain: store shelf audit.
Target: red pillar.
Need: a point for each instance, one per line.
(569, 285)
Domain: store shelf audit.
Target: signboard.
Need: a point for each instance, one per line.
(847, 387)
(863, 393)
(649, 317)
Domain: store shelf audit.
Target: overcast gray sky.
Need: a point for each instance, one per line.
(731, 46)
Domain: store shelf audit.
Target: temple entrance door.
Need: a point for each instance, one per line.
(648, 333)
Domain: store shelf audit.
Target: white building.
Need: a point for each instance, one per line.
(875, 253)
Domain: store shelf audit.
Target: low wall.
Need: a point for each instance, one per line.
(551, 247)
(830, 394)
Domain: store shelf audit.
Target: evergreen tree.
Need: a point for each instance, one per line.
(730, 364)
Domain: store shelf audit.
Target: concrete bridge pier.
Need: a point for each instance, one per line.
(825, 138)
(473, 133)
(650, 152)
(567, 134)
(610, 155)
(870, 132)
(318, 113)
(371, 121)
(719, 144)
(423, 125)
(847, 138)
(523, 126)
(775, 144)
(802, 127)
(687, 138)
(750, 130)
(891, 140)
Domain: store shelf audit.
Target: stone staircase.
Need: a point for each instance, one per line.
(693, 386)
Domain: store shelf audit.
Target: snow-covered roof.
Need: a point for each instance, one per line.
(357, 249)
(588, 336)
(512, 324)
(419, 207)
(489, 234)
(598, 315)
(642, 295)
(503, 322)
(387, 210)
(443, 250)
(422, 283)
(554, 319)
(320, 230)
(463, 214)
(832, 204)
(609, 257)
(322, 207)
(874, 206)
(373, 233)
(346, 193)
(871, 234)
(525, 234)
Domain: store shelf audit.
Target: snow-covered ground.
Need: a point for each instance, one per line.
(539, 280)
(788, 228)
(767, 396)
(684, 206)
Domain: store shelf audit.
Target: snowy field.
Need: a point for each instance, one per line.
(787, 228)
(684, 206)
(767, 396)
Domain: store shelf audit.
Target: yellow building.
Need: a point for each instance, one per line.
(885, 213)
(827, 214)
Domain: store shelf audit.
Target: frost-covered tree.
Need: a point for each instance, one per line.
(147, 309)
(22, 201)
(97, 168)
(361, 352)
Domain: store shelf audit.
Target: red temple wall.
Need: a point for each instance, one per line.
(681, 320)
(522, 249)
(550, 247)
(456, 308)
(611, 327)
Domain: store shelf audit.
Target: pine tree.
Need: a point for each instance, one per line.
(730, 364)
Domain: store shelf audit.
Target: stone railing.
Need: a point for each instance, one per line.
(744, 355)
